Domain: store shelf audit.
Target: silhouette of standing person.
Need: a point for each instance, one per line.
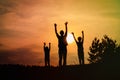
(47, 54)
(80, 47)
(62, 44)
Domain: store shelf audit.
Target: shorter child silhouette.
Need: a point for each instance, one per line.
(80, 47)
(47, 54)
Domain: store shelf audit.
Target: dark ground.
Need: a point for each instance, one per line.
(70, 72)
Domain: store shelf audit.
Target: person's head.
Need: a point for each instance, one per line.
(61, 32)
(46, 47)
(79, 39)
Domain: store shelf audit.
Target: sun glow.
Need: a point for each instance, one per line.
(70, 38)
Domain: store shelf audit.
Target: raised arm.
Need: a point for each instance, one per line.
(82, 36)
(44, 45)
(55, 25)
(66, 29)
(74, 37)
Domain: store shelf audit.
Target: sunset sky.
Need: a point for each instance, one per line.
(26, 24)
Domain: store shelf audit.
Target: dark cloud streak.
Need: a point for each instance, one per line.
(19, 56)
(1, 45)
(7, 3)
(6, 6)
(11, 33)
(4, 11)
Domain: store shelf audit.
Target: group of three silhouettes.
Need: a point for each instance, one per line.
(62, 46)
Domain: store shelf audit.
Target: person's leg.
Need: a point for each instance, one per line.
(48, 61)
(82, 58)
(45, 62)
(79, 58)
(65, 58)
(60, 58)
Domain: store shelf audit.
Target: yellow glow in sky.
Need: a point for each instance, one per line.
(70, 38)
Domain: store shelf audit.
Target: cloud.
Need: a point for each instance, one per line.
(1, 45)
(6, 6)
(20, 56)
(7, 3)
(21, 8)
(22, 18)
(3, 11)
(11, 33)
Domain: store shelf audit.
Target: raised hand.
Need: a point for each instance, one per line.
(66, 23)
(82, 31)
(44, 43)
(72, 33)
(55, 24)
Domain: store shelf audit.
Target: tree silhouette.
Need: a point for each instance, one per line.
(104, 51)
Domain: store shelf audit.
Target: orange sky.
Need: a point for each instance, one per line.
(26, 24)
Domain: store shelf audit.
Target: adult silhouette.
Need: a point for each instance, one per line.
(47, 54)
(80, 47)
(62, 44)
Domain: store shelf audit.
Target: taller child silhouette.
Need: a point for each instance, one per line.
(62, 44)
(80, 47)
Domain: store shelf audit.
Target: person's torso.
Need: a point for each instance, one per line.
(80, 46)
(62, 42)
(47, 51)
